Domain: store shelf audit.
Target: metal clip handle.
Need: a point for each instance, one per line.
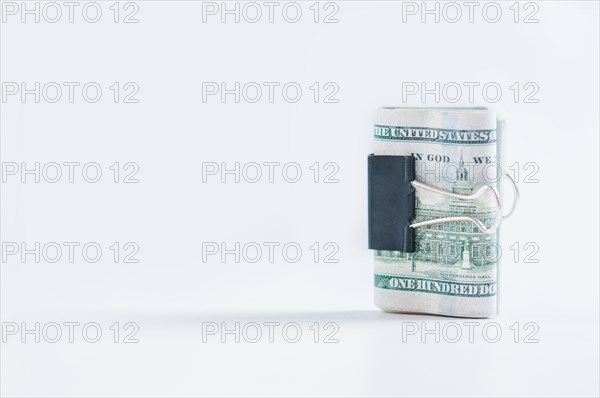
(478, 223)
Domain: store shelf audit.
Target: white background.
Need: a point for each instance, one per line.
(170, 132)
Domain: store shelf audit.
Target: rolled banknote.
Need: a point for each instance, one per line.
(454, 267)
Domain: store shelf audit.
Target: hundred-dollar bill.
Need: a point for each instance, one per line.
(454, 267)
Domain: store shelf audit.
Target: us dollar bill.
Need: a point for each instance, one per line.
(453, 270)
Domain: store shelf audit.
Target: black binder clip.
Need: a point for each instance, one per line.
(392, 204)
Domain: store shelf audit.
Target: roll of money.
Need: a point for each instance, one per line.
(453, 270)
